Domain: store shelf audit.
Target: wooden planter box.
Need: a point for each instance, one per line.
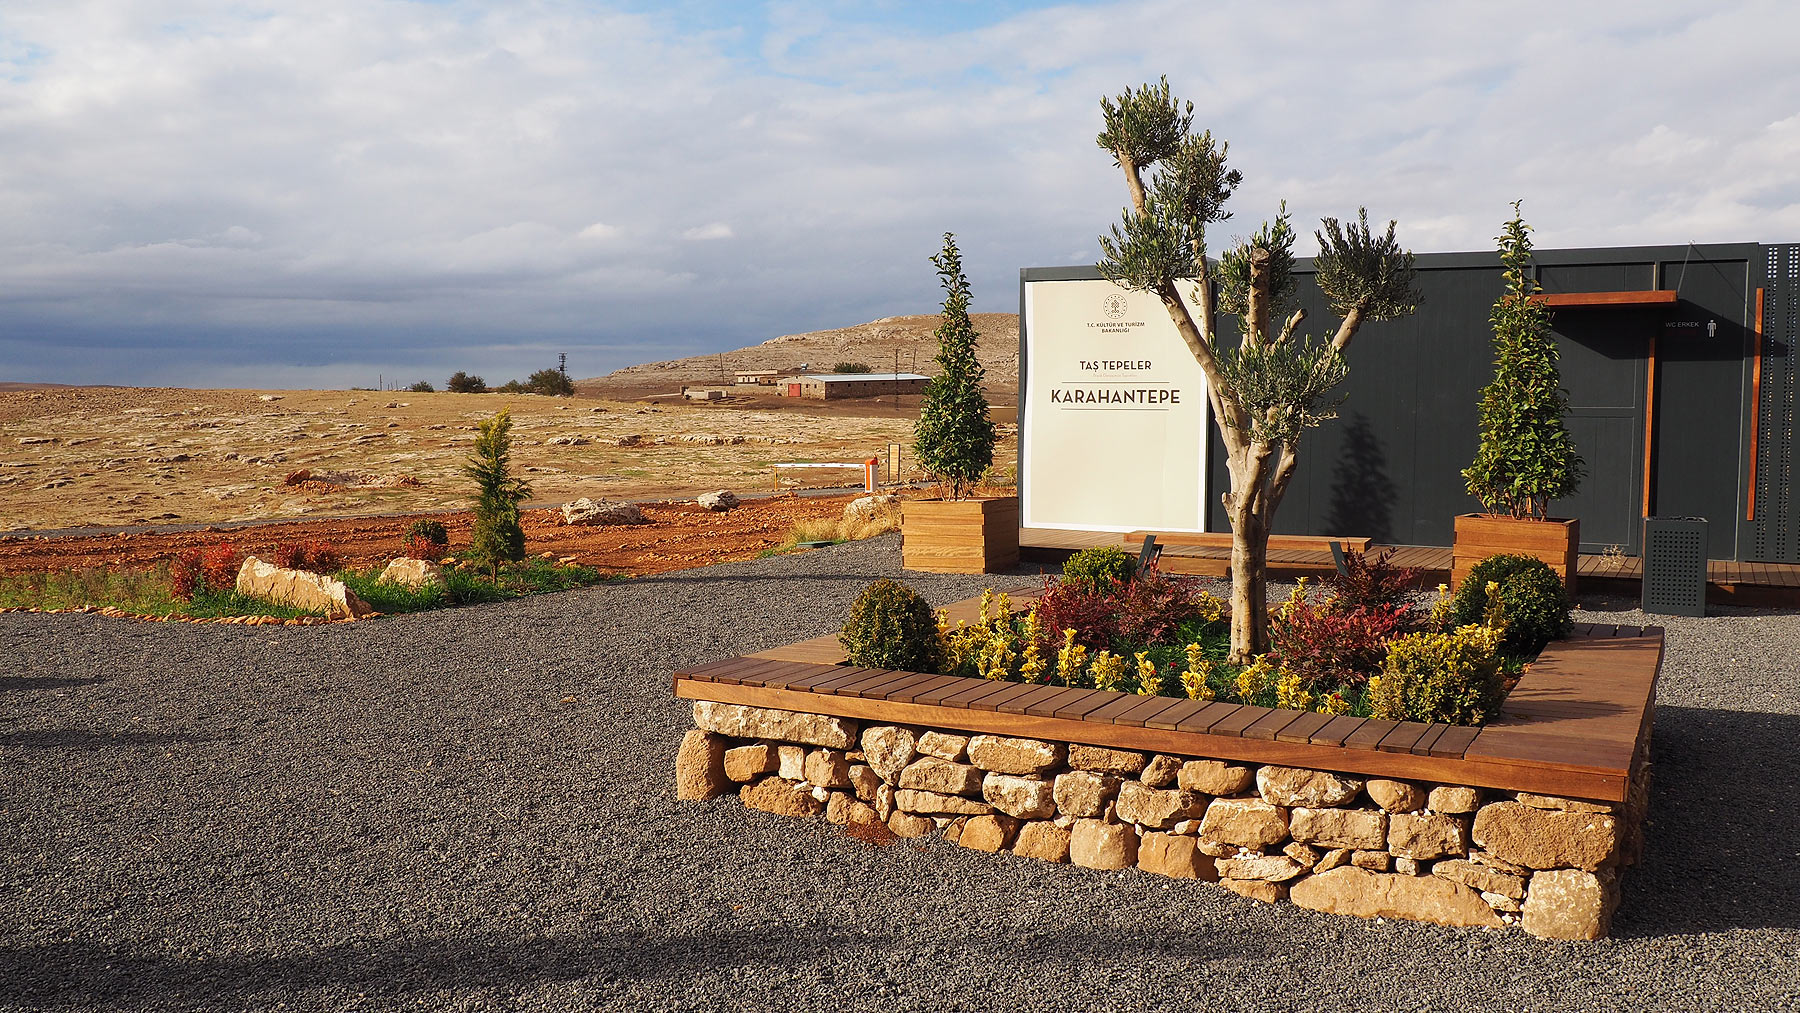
(1556, 541)
(960, 536)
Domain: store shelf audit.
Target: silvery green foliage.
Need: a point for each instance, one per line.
(1285, 389)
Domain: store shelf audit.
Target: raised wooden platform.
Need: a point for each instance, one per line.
(1572, 726)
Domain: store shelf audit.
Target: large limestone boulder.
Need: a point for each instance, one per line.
(588, 511)
(1314, 789)
(864, 508)
(718, 502)
(300, 589)
(1364, 829)
(1547, 838)
(1084, 794)
(1570, 904)
(700, 766)
(887, 749)
(742, 722)
(1157, 808)
(1247, 823)
(1348, 890)
(928, 773)
(1097, 845)
(1023, 797)
(1211, 777)
(414, 573)
(1013, 756)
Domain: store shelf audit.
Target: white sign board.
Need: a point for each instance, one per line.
(1114, 427)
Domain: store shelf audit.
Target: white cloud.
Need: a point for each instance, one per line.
(345, 176)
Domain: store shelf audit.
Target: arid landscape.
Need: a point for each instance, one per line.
(77, 459)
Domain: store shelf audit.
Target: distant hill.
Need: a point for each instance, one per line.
(873, 344)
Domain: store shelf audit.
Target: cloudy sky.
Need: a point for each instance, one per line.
(299, 193)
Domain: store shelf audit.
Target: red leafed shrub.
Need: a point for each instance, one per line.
(197, 570)
(420, 547)
(315, 556)
(1374, 582)
(185, 573)
(1093, 615)
(1154, 605)
(289, 556)
(1325, 642)
(220, 564)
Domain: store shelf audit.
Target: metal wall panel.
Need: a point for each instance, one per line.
(1775, 525)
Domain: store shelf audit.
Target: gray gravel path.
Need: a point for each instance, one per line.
(406, 814)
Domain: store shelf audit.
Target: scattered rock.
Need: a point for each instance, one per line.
(700, 766)
(718, 502)
(414, 573)
(1097, 845)
(274, 397)
(864, 508)
(1349, 890)
(1084, 794)
(742, 722)
(1015, 756)
(1214, 778)
(1315, 789)
(300, 589)
(1570, 904)
(566, 441)
(587, 511)
(1248, 823)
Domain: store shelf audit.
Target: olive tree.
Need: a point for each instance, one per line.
(1275, 383)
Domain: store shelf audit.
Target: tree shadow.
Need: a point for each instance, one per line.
(1362, 492)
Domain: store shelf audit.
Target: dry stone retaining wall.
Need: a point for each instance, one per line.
(1367, 847)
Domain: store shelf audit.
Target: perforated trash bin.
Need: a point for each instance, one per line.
(1675, 566)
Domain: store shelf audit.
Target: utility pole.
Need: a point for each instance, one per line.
(562, 364)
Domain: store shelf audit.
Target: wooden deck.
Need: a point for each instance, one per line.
(1571, 727)
(1770, 585)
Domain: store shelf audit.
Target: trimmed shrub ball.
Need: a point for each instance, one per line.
(1096, 568)
(890, 626)
(1533, 602)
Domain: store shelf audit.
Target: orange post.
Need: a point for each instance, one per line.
(869, 473)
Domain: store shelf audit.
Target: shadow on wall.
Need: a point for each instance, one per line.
(1362, 494)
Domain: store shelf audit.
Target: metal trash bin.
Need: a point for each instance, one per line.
(1675, 566)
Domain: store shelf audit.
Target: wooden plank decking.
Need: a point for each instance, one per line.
(1571, 727)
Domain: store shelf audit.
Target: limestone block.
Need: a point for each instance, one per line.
(1210, 777)
(1042, 840)
(1249, 823)
(1348, 890)
(413, 573)
(1546, 838)
(944, 745)
(988, 833)
(928, 773)
(1502, 903)
(905, 824)
(884, 800)
(741, 722)
(1218, 849)
(1409, 866)
(782, 797)
(1480, 877)
(1084, 794)
(1256, 889)
(1453, 799)
(1570, 904)
(828, 768)
(1565, 804)
(837, 807)
(587, 511)
(1269, 868)
(1174, 855)
(747, 763)
(700, 766)
(1014, 756)
(1374, 861)
(1495, 862)
(1332, 859)
(1396, 796)
(1106, 761)
(1315, 789)
(1097, 845)
(887, 749)
(1366, 829)
(1157, 807)
(934, 803)
(791, 762)
(1305, 854)
(1022, 797)
(1161, 771)
(862, 814)
(300, 589)
(1426, 837)
(864, 781)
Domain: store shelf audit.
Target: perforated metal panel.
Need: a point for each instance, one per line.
(1675, 566)
(1776, 529)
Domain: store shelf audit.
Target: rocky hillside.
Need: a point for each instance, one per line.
(872, 343)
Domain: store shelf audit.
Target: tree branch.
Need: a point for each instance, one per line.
(1351, 323)
(1287, 329)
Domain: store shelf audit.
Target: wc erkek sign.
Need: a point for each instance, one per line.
(1114, 413)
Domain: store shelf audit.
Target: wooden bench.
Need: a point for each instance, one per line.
(1572, 726)
(1208, 553)
(1277, 543)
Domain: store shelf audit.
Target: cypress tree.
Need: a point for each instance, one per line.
(498, 536)
(954, 437)
(1527, 457)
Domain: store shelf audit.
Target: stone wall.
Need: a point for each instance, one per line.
(1368, 847)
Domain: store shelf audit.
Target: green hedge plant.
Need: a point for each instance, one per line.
(891, 626)
(1532, 601)
(1096, 567)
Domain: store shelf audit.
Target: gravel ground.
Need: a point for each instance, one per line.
(473, 809)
